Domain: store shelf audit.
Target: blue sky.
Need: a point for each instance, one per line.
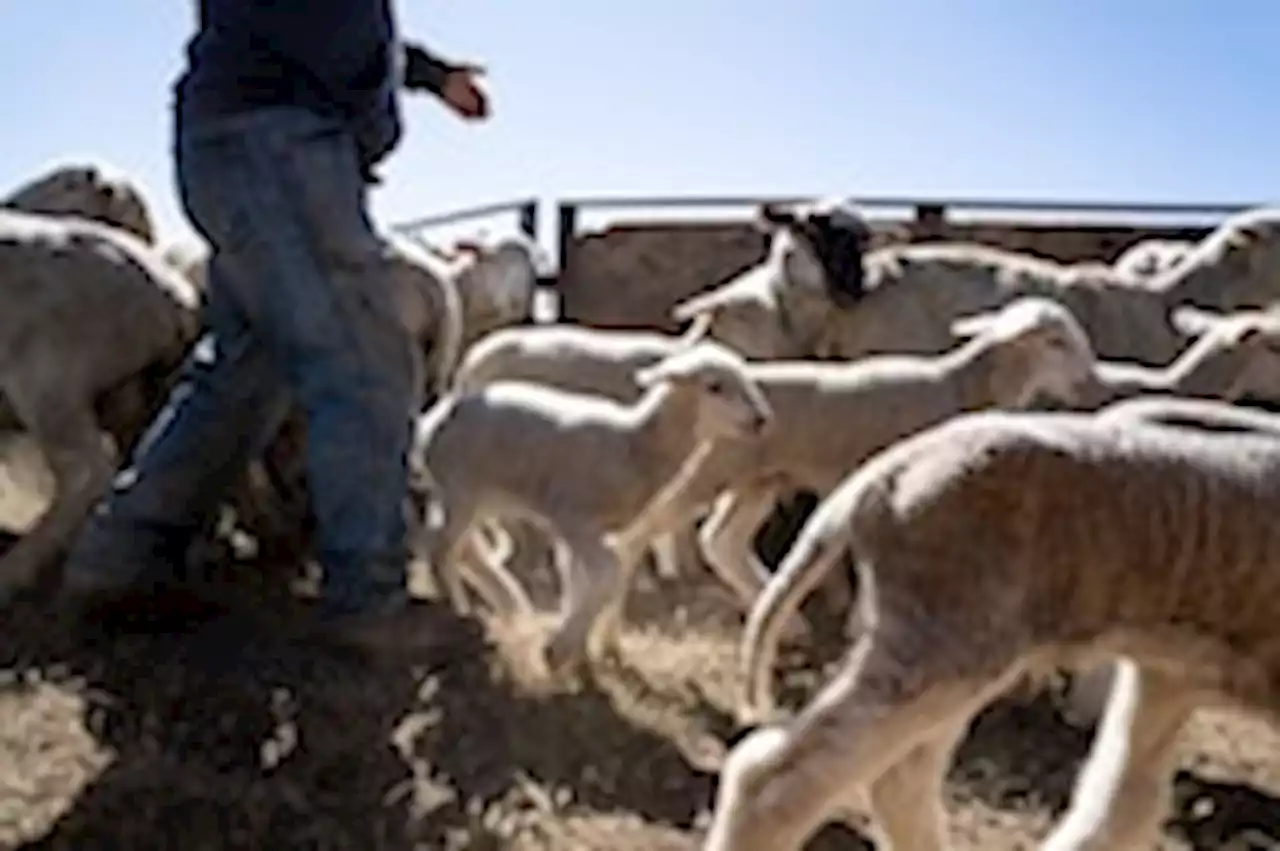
(1151, 100)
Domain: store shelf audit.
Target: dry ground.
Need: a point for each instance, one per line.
(225, 735)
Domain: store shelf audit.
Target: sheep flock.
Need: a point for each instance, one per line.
(1037, 484)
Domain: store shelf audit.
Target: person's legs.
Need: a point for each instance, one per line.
(323, 302)
(302, 277)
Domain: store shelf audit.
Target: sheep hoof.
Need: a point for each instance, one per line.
(563, 656)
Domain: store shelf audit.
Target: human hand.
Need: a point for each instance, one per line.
(463, 94)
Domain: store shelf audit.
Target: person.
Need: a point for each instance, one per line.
(284, 110)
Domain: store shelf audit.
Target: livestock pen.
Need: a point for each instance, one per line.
(139, 744)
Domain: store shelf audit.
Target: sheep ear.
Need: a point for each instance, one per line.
(694, 307)
(1194, 321)
(968, 327)
(1249, 334)
(697, 331)
(771, 216)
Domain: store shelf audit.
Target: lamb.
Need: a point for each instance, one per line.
(831, 417)
(1234, 356)
(999, 543)
(87, 191)
(580, 360)
(913, 292)
(621, 458)
(95, 325)
(1149, 259)
(497, 280)
(778, 308)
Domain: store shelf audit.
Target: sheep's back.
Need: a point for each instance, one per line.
(1092, 527)
(94, 303)
(528, 445)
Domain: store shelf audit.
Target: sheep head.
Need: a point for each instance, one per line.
(497, 280)
(730, 403)
(819, 246)
(1235, 266)
(1037, 347)
(1243, 347)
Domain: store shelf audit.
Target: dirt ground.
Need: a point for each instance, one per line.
(224, 733)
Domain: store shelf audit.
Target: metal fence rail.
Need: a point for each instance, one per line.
(932, 211)
(525, 208)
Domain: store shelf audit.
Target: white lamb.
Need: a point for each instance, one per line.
(584, 467)
(830, 417)
(578, 359)
(1235, 356)
(1000, 543)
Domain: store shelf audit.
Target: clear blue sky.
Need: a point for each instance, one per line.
(1161, 100)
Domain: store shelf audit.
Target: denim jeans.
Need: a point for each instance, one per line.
(299, 311)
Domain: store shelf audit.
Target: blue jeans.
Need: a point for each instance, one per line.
(299, 310)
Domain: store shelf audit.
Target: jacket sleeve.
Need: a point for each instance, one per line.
(423, 69)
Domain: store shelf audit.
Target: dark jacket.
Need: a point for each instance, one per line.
(334, 57)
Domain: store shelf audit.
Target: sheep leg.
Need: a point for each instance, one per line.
(895, 798)
(593, 573)
(82, 460)
(529, 545)
(726, 540)
(666, 555)
(496, 587)
(894, 693)
(681, 551)
(472, 549)
(1126, 805)
(604, 639)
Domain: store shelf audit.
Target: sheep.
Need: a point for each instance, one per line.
(620, 458)
(912, 292)
(1234, 356)
(87, 191)
(830, 417)
(777, 309)
(501, 291)
(577, 359)
(999, 543)
(1148, 259)
(95, 326)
